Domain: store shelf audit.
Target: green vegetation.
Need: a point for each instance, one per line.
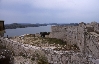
(54, 40)
(43, 41)
(41, 59)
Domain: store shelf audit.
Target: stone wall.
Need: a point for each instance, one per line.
(87, 43)
(70, 34)
(92, 44)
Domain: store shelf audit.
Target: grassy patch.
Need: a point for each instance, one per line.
(41, 59)
(56, 41)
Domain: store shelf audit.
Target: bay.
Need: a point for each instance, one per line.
(28, 30)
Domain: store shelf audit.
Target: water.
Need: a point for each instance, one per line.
(28, 30)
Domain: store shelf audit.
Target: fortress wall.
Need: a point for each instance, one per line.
(58, 35)
(76, 35)
(95, 25)
(92, 47)
(80, 38)
(71, 34)
(56, 28)
(58, 32)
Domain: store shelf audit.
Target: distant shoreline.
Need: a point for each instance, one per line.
(15, 25)
(18, 25)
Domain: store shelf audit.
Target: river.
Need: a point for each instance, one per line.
(28, 30)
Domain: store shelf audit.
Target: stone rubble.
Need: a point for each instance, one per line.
(53, 56)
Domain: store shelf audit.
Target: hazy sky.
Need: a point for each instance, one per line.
(48, 11)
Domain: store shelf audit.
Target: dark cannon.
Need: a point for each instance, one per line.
(44, 33)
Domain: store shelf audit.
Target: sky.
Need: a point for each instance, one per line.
(49, 11)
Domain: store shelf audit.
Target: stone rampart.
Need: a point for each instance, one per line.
(92, 44)
(70, 34)
(88, 44)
